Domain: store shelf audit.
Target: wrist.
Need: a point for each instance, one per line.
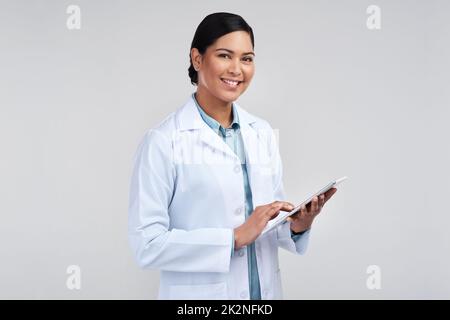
(299, 230)
(237, 239)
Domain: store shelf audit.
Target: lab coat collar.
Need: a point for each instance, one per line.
(190, 118)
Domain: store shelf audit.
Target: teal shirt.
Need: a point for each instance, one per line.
(233, 138)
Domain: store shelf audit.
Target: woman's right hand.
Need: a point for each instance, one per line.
(247, 232)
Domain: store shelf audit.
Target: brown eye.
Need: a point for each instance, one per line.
(224, 55)
(248, 59)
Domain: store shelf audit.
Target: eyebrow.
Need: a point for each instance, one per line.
(231, 51)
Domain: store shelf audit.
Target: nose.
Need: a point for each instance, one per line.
(234, 68)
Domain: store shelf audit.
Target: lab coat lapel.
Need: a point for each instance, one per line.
(212, 139)
(250, 139)
(190, 119)
(253, 148)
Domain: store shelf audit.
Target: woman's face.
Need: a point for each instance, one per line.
(227, 66)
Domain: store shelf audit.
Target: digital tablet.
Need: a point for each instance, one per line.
(282, 216)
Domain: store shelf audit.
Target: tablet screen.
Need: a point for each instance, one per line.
(284, 214)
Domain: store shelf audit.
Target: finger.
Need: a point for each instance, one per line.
(273, 210)
(295, 216)
(276, 205)
(290, 205)
(308, 206)
(275, 215)
(329, 194)
(321, 201)
(284, 205)
(315, 205)
(303, 211)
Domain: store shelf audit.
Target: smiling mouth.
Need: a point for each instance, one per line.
(231, 83)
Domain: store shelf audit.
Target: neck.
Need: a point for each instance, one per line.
(219, 110)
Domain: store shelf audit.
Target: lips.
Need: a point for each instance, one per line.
(231, 83)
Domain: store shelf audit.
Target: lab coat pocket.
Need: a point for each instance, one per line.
(213, 291)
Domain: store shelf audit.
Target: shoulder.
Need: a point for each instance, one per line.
(165, 130)
(159, 137)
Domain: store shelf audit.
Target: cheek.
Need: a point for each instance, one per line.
(216, 68)
(248, 73)
(210, 76)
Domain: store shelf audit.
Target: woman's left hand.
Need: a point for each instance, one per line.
(302, 220)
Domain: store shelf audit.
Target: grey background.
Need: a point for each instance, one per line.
(372, 105)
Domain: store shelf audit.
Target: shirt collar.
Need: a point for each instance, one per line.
(213, 123)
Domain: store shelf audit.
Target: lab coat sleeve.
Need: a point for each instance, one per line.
(284, 236)
(153, 242)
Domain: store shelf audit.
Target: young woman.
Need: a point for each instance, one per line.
(208, 179)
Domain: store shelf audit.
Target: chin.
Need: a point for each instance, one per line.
(229, 96)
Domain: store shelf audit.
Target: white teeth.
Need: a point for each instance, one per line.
(230, 82)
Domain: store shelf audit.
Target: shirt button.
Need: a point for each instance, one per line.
(241, 253)
(243, 294)
(237, 168)
(238, 210)
(265, 293)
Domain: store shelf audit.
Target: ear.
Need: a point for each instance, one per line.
(196, 59)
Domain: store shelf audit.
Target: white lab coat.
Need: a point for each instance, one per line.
(187, 196)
